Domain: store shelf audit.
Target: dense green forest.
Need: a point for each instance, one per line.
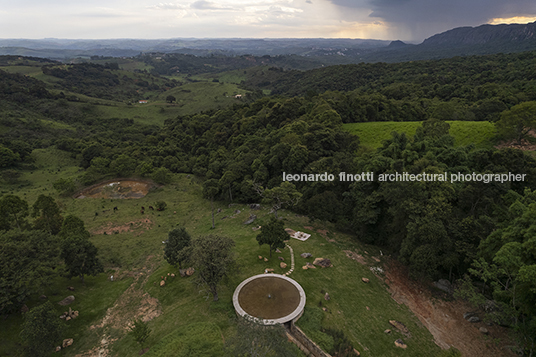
(476, 231)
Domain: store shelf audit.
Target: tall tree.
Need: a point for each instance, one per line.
(517, 122)
(273, 234)
(28, 261)
(48, 214)
(283, 195)
(13, 209)
(210, 189)
(213, 258)
(41, 330)
(177, 248)
(79, 254)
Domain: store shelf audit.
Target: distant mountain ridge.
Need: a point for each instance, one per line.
(461, 41)
(484, 34)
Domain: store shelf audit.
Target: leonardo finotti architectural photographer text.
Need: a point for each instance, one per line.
(405, 176)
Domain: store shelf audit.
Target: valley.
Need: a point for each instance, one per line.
(210, 138)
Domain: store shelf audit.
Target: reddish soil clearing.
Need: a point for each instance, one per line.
(444, 319)
(139, 226)
(525, 144)
(117, 189)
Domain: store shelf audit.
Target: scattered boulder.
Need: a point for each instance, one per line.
(387, 331)
(282, 259)
(357, 352)
(268, 270)
(237, 211)
(468, 315)
(490, 306)
(401, 344)
(306, 255)
(265, 259)
(251, 218)
(67, 342)
(324, 263)
(400, 326)
(365, 280)
(260, 256)
(304, 267)
(483, 330)
(327, 297)
(70, 288)
(444, 285)
(255, 206)
(283, 265)
(172, 275)
(69, 315)
(368, 308)
(162, 283)
(256, 228)
(58, 348)
(218, 210)
(325, 309)
(310, 266)
(186, 272)
(473, 319)
(277, 250)
(43, 297)
(69, 299)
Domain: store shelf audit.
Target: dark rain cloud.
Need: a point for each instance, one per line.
(424, 18)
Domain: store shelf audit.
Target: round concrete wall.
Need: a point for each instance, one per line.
(270, 298)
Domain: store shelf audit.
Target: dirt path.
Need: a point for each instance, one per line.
(444, 319)
(132, 304)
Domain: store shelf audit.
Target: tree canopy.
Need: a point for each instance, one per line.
(273, 234)
(213, 258)
(178, 246)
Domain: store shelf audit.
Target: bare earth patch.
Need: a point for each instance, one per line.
(117, 189)
(354, 256)
(132, 304)
(444, 319)
(525, 144)
(139, 227)
(324, 233)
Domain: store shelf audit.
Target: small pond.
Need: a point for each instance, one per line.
(117, 189)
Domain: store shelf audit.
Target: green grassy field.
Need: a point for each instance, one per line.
(194, 95)
(372, 134)
(135, 258)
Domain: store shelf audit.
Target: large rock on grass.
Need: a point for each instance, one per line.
(401, 344)
(324, 263)
(251, 219)
(400, 326)
(69, 299)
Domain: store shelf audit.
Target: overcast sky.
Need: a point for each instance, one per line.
(409, 20)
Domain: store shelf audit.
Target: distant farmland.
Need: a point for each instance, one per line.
(372, 134)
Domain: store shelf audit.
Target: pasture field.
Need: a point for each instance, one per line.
(134, 255)
(372, 134)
